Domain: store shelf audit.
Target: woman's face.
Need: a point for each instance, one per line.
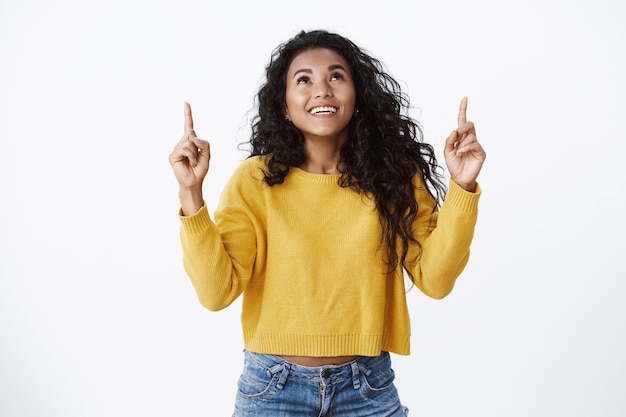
(320, 95)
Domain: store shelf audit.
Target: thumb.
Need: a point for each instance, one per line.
(204, 147)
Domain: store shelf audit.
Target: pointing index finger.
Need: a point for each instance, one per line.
(188, 120)
(462, 119)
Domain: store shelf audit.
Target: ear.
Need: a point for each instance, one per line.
(286, 113)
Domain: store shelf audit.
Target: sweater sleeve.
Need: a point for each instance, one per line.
(445, 236)
(219, 256)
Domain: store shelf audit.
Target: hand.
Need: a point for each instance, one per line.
(464, 155)
(190, 158)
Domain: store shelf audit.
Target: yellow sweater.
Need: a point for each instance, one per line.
(307, 256)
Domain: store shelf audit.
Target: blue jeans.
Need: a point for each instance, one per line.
(272, 386)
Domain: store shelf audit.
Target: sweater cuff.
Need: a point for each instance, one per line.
(463, 200)
(197, 222)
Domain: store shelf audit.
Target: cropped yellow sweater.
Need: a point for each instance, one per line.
(308, 258)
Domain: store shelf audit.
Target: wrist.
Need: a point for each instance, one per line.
(469, 187)
(191, 200)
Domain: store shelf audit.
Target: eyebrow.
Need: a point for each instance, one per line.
(310, 71)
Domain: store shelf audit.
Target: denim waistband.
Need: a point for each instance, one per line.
(364, 364)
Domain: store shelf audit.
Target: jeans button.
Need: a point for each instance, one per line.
(325, 373)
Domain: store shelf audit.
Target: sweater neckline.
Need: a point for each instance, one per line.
(306, 176)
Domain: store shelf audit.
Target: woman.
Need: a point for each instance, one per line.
(337, 201)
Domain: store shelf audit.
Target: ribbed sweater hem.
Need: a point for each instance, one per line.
(325, 345)
(197, 222)
(461, 199)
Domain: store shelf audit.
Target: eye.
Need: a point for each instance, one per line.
(303, 80)
(336, 76)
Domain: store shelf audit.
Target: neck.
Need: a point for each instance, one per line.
(320, 167)
(322, 156)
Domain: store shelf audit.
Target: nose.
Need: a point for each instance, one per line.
(323, 90)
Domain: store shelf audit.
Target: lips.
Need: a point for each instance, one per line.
(323, 110)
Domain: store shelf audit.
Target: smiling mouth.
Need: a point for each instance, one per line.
(323, 110)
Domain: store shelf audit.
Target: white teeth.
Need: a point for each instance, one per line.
(323, 110)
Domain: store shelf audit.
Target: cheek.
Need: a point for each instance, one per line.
(349, 95)
(350, 102)
(292, 99)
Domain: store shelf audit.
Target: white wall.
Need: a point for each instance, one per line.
(96, 315)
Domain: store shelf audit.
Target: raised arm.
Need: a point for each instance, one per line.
(190, 162)
(463, 154)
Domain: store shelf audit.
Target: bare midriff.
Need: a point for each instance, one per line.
(312, 361)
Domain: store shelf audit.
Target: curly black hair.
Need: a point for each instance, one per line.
(385, 149)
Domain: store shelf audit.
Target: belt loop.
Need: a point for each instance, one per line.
(283, 377)
(283, 368)
(356, 381)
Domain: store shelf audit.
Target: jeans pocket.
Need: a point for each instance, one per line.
(257, 386)
(252, 386)
(378, 387)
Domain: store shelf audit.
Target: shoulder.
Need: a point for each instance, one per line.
(421, 188)
(250, 170)
(245, 186)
